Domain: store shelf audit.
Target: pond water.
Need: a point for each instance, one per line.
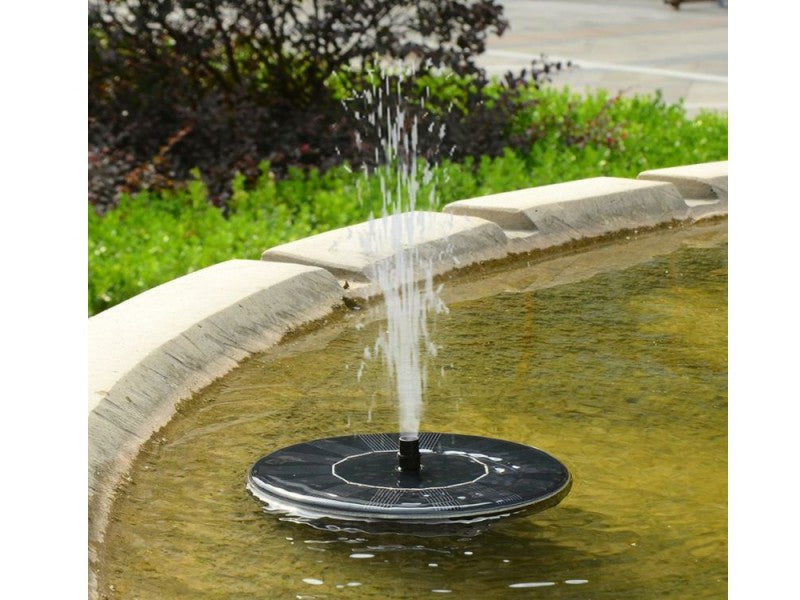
(613, 359)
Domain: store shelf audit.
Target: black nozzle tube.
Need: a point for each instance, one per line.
(408, 456)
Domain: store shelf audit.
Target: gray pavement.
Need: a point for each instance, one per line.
(628, 46)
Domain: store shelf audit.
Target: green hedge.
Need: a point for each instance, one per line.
(151, 238)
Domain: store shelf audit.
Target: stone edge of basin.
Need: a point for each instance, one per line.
(704, 181)
(552, 215)
(155, 349)
(159, 347)
(448, 241)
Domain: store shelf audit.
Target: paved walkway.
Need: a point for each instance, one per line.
(633, 46)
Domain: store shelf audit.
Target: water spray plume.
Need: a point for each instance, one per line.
(403, 277)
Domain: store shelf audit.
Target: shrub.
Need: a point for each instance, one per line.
(224, 85)
(621, 136)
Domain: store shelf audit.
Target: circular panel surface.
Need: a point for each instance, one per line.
(355, 477)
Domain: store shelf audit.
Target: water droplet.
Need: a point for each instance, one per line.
(576, 581)
(362, 555)
(312, 581)
(532, 584)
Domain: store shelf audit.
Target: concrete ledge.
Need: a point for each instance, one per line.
(351, 253)
(704, 186)
(161, 346)
(705, 181)
(550, 215)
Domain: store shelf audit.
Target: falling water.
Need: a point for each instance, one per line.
(401, 275)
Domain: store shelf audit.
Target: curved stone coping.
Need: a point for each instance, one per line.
(704, 186)
(550, 215)
(705, 181)
(159, 347)
(353, 253)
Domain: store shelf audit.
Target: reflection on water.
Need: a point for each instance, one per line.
(621, 375)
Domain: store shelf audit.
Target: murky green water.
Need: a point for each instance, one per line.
(622, 376)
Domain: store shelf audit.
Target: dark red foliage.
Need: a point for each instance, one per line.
(222, 85)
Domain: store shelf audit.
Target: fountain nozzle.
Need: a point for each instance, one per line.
(408, 455)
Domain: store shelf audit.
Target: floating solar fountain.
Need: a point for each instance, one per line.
(430, 478)
(408, 477)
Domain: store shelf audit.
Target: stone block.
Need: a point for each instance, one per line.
(550, 215)
(704, 181)
(353, 253)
